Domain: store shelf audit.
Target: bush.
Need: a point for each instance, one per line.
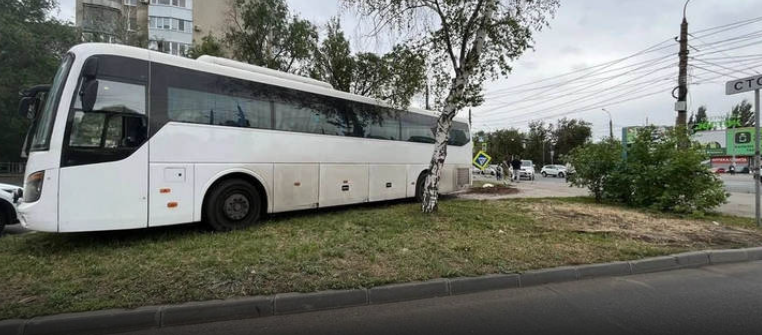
(655, 174)
(593, 163)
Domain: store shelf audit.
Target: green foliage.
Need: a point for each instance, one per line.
(264, 33)
(538, 143)
(593, 164)
(569, 134)
(701, 114)
(394, 77)
(333, 60)
(656, 174)
(503, 144)
(743, 113)
(31, 46)
(562, 137)
(470, 40)
(209, 46)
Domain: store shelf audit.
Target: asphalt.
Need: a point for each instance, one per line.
(720, 299)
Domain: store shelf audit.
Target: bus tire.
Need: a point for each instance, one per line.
(419, 186)
(232, 204)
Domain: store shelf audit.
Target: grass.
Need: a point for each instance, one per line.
(340, 248)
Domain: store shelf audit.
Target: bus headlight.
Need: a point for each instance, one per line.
(33, 186)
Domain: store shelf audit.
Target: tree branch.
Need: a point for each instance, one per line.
(446, 28)
(467, 30)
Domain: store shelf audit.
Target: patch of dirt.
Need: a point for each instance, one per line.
(592, 219)
(497, 189)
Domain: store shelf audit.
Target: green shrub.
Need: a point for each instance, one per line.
(655, 174)
(593, 162)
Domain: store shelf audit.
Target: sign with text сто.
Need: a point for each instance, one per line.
(481, 160)
(743, 85)
(743, 138)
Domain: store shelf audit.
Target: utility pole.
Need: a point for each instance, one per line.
(611, 123)
(682, 79)
(469, 117)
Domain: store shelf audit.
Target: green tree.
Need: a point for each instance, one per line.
(538, 143)
(701, 114)
(567, 135)
(264, 33)
(333, 60)
(743, 113)
(505, 143)
(467, 42)
(394, 77)
(209, 46)
(31, 45)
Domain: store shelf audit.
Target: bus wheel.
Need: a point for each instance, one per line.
(419, 184)
(232, 204)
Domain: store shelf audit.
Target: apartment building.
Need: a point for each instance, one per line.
(170, 26)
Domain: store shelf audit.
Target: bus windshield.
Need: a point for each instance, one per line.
(44, 121)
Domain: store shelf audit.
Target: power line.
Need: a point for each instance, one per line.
(598, 105)
(653, 48)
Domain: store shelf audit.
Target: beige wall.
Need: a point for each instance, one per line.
(211, 16)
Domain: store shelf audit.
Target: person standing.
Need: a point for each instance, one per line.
(516, 165)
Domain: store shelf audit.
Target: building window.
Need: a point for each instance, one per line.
(175, 3)
(130, 2)
(169, 23)
(132, 24)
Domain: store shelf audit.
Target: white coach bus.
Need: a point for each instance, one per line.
(129, 138)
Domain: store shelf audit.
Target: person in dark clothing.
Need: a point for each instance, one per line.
(516, 165)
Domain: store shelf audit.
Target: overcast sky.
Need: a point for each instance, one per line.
(586, 33)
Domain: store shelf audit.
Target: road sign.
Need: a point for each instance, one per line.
(481, 160)
(743, 85)
(743, 138)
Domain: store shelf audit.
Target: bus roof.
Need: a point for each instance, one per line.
(237, 70)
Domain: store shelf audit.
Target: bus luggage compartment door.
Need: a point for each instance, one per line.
(342, 184)
(105, 196)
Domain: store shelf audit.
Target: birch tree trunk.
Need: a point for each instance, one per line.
(444, 123)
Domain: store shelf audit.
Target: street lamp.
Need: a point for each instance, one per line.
(611, 123)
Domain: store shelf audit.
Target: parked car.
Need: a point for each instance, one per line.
(717, 170)
(8, 213)
(527, 170)
(553, 170)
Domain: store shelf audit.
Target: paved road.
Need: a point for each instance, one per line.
(738, 183)
(723, 299)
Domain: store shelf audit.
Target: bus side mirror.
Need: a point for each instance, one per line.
(90, 69)
(24, 107)
(89, 94)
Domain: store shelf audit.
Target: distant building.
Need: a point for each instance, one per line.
(170, 26)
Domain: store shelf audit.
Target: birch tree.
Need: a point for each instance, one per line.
(468, 42)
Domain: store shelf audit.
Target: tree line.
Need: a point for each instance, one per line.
(740, 116)
(544, 143)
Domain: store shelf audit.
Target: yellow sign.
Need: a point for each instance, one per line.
(481, 160)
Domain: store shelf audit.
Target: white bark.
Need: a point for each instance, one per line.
(444, 123)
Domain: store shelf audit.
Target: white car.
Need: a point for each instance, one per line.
(8, 213)
(553, 170)
(527, 170)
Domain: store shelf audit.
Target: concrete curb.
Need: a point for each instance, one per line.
(116, 321)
